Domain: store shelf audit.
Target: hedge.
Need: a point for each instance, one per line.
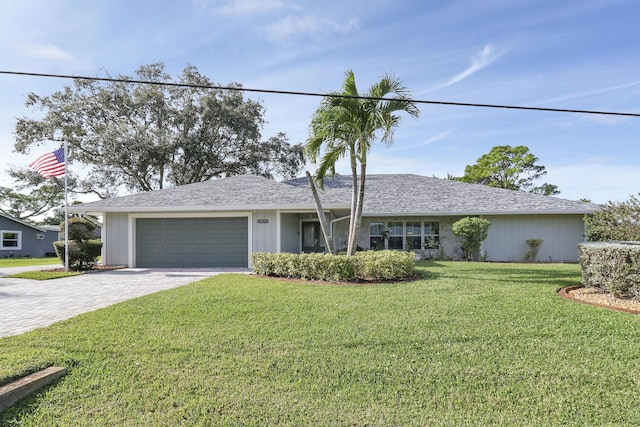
(368, 265)
(613, 267)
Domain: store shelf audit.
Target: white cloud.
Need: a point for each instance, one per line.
(480, 60)
(47, 51)
(587, 93)
(242, 7)
(438, 137)
(293, 25)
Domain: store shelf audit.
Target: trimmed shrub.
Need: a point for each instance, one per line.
(473, 231)
(385, 265)
(79, 229)
(613, 267)
(83, 255)
(368, 265)
(534, 247)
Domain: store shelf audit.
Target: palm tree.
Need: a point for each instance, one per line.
(346, 124)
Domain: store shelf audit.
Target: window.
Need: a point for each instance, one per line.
(11, 240)
(409, 235)
(413, 235)
(432, 235)
(376, 235)
(395, 235)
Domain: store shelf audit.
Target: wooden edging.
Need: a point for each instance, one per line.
(19, 389)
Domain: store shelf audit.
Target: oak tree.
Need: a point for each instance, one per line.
(145, 133)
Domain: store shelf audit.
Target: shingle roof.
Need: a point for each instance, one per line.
(416, 194)
(233, 193)
(384, 195)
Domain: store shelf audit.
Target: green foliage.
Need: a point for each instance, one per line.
(473, 231)
(534, 247)
(83, 255)
(347, 125)
(513, 168)
(80, 229)
(615, 221)
(31, 195)
(145, 137)
(612, 267)
(367, 265)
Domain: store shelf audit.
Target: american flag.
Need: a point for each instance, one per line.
(50, 164)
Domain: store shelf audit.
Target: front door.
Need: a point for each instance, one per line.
(312, 237)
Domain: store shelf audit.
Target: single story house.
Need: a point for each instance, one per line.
(221, 222)
(21, 239)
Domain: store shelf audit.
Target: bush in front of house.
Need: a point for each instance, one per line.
(83, 255)
(79, 229)
(368, 265)
(613, 267)
(473, 231)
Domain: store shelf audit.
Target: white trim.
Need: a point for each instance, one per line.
(132, 227)
(11, 248)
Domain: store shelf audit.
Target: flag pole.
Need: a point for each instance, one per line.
(66, 212)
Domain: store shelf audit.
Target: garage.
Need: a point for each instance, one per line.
(192, 242)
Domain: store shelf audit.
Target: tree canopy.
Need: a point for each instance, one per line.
(147, 136)
(513, 168)
(32, 195)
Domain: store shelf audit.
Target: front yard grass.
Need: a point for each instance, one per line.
(22, 262)
(470, 344)
(43, 275)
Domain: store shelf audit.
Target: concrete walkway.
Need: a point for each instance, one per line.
(29, 304)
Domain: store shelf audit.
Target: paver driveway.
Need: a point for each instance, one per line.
(30, 304)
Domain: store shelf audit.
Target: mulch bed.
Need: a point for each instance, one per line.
(595, 296)
(97, 269)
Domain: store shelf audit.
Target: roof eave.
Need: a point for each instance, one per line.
(479, 213)
(217, 208)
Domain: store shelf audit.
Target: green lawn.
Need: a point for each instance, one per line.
(21, 262)
(471, 344)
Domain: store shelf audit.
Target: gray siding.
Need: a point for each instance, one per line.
(115, 238)
(29, 243)
(560, 233)
(265, 234)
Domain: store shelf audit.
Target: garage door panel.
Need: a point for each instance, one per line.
(192, 242)
(179, 250)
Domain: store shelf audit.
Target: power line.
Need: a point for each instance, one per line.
(316, 94)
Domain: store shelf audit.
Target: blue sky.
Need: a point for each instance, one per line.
(571, 54)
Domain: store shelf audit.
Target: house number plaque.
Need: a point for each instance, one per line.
(263, 221)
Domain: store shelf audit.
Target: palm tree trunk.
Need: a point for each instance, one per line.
(354, 197)
(323, 219)
(358, 217)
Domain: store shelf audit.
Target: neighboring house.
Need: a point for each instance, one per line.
(21, 239)
(221, 222)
